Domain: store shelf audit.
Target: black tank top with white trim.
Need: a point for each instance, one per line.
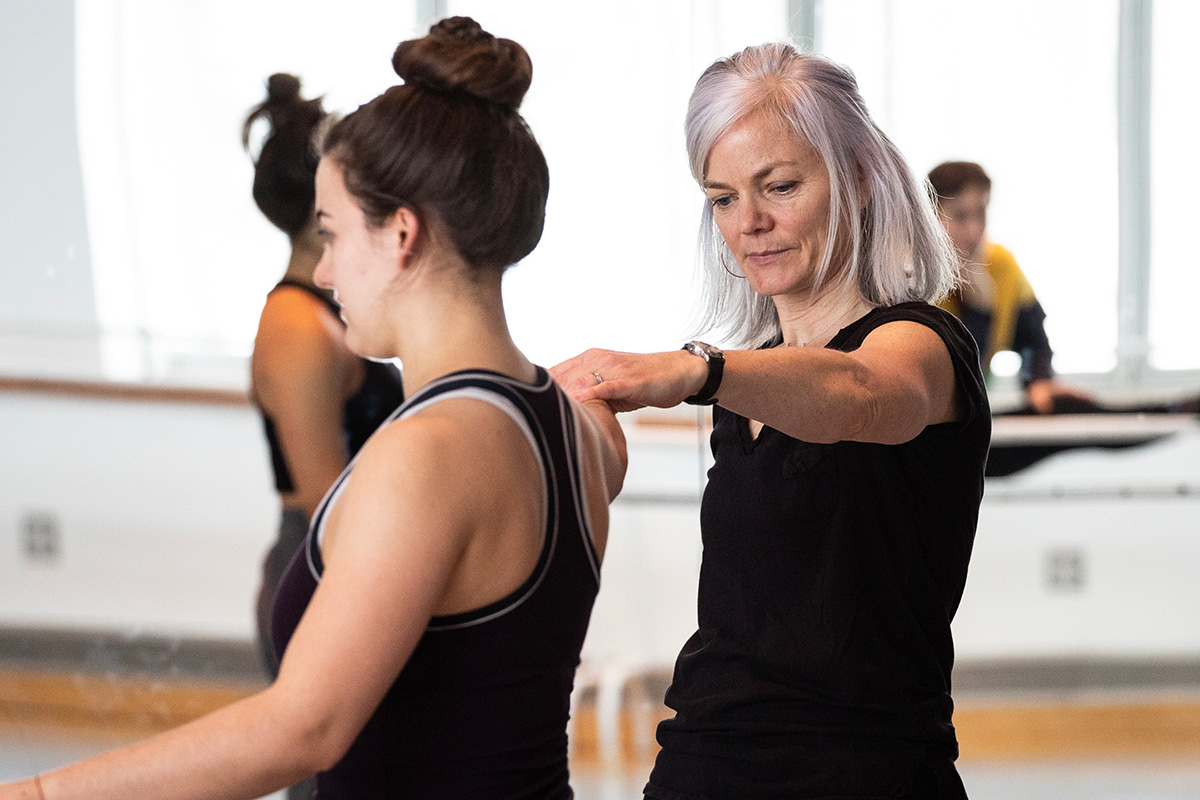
(480, 709)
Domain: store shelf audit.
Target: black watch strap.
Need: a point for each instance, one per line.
(715, 359)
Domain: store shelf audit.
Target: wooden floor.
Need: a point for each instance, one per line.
(1109, 725)
(124, 705)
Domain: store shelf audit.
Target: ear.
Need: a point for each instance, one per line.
(404, 227)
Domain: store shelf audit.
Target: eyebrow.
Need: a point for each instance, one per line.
(321, 213)
(762, 173)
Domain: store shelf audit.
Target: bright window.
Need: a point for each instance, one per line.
(1027, 88)
(183, 258)
(610, 90)
(1174, 175)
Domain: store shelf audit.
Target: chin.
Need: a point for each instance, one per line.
(360, 347)
(779, 286)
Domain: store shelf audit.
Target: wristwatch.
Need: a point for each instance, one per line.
(715, 358)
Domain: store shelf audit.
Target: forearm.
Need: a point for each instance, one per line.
(812, 395)
(246, 750)
(816, 395)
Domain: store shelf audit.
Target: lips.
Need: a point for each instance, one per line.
(765, 256)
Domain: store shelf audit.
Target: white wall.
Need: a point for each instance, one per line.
(1090, 553)
(166, 509)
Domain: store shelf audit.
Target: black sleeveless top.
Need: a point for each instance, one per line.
(381, 391)
(480, 710)
(831, 573)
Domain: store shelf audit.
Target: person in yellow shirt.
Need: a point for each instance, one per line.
(995, 300)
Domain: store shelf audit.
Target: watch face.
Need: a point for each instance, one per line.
(704, 350)
(715, 359)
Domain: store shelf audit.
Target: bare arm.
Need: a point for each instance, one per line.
(606, 441)
(888, 390)
(1043, 395)
(388, 556)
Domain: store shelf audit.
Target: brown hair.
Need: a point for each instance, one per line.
(949, 179)
(285, 171)
(450, 143)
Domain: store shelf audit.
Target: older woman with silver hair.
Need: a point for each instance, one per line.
(850, 431)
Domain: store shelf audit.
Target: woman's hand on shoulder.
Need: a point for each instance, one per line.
(629, 381)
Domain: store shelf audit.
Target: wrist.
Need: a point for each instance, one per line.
(714, 359)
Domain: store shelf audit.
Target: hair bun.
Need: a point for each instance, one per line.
(283, 88)
(460, 56)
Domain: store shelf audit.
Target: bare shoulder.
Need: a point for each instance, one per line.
(454, 450)
(407, 487)
(907, 338)
(300, 345)
(430, 446)
(914, 358)
(603, 440)
(291, 312)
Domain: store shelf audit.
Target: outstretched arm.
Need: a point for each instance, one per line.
(388, 554)
(888, 390)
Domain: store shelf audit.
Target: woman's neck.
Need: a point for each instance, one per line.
(307, 248)
(813, 323)
(457, 325)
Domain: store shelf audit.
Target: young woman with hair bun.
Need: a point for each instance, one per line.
(431, 626)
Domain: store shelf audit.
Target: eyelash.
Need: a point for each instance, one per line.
(723, 200)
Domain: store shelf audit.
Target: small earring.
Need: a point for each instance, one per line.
(724, 266)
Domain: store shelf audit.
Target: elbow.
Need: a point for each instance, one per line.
(851, 416)
(323, 756)
(323, 745)
(871, 419)
(311, 741)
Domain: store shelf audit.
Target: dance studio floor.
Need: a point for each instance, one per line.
(26, 751)
(1148, 779)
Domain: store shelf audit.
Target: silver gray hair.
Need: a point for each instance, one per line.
(897, 249)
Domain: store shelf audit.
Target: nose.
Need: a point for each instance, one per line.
(321, 273)
(753, 217)
(976, 226)
(973, 237)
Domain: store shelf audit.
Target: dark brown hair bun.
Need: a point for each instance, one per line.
(283, 88)
(458, 56)
(285, 168)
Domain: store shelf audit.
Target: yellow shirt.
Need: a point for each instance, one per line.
(1012, 293)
